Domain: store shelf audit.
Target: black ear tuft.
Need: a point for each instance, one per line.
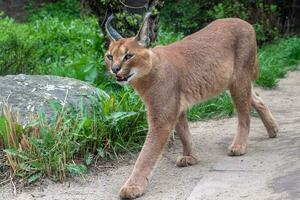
(111, 32)
(143, 37)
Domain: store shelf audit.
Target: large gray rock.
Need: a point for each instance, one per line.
(28, 94)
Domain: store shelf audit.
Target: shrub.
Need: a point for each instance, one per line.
(63, 9)
(70, 140)
(63, 47)
(277, 59)
(190, 16)
(16, 49)
(15, 56)
(217, 107)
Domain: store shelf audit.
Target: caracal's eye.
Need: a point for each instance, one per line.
(128, 56)
(109, 57)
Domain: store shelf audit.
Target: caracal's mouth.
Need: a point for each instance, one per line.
(125, 79)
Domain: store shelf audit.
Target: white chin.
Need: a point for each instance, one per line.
(121, 82)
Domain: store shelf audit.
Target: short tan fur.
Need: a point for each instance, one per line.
(170, 79)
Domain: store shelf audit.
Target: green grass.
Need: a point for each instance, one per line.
(217, 107)
(277, 59)
(70, 140)
(67, 45)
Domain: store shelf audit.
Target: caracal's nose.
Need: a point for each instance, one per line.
(116, 68)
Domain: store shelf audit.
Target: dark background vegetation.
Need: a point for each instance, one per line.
(271, 19)
(66, 38)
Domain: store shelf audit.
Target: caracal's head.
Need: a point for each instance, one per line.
(128, 59)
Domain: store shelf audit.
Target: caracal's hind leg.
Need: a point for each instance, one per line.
(265, 114)
(241, 95)
(187, 158)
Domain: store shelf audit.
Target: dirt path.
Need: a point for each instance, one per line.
(270, 170)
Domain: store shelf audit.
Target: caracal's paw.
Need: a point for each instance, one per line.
(185, 161)
(273, 130)
(236, 150)
(131, 191)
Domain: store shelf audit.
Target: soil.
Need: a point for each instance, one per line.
(270, 169)
(4, 169)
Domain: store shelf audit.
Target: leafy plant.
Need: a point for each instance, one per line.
(217, 107)
(62, 9)
(56, 146)
(184, 16)
(167, 36)
(229, 9)
(277, 59)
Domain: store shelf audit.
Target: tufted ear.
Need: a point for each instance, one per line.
(143, 37)
(111, 32)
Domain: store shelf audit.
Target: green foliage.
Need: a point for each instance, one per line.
(52, 45)
(166, 37)
(277, 59)
(229, 9)
(16, 48)
(184, 16)
(3, 132)
(190, 16)
(71, 139)
(60, 9)
(10, 131)
(265, 29)
(70, 48)
(127, 23)
(76, 169)
(15, 56)
(58, 46)
(217, 107)
(128, 14)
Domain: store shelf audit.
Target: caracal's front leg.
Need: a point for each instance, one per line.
(182, 129)
(156, 139)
